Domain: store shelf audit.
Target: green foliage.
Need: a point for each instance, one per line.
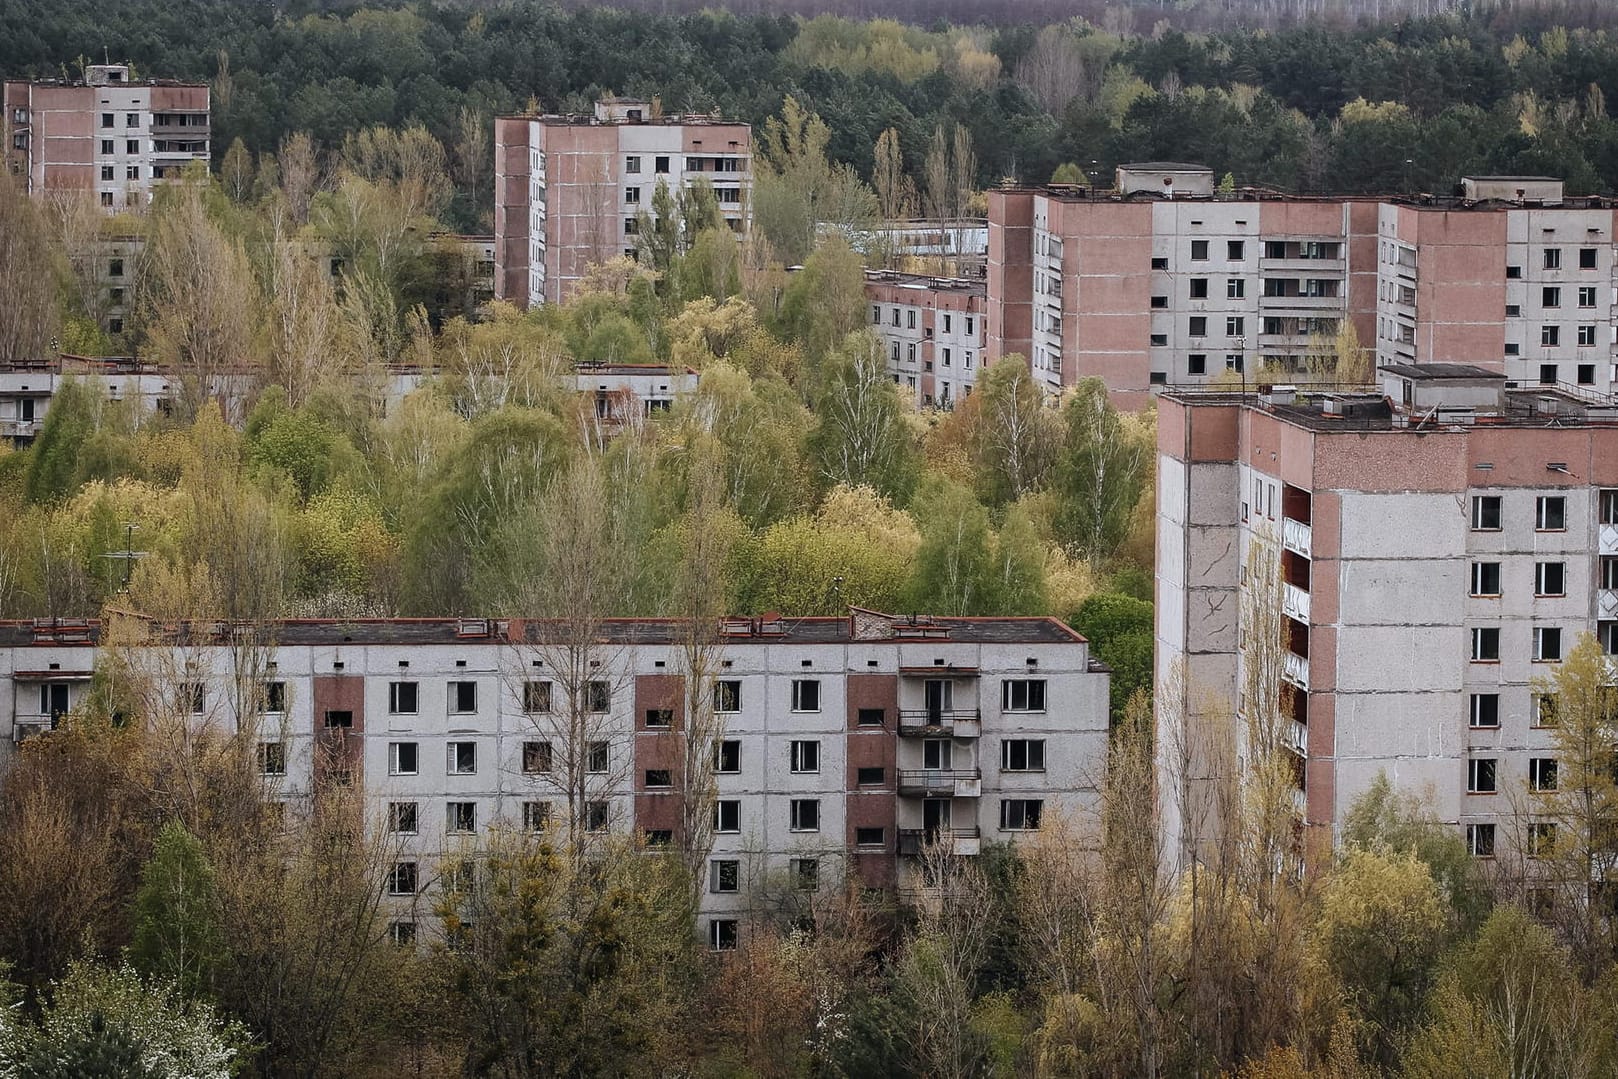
(1099, 475)
(176, 928)
(1382, 818)
(53, 470)
(1120, 630)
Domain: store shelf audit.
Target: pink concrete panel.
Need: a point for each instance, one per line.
(188, 98)
(1520, 456)
(1301, 218)
(1214, 433)
(1172, 417)
(1390, 461)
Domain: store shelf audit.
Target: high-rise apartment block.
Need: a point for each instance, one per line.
(569, 190)
(845, 743)
(1441, 543)
(932, 332)
(110, 135)
(1168, 281)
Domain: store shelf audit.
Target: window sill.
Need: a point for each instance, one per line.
(1550, 595)
(1481, 794)
(1483, 727)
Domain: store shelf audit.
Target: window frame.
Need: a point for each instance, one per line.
(804, 756)
(404, 818)
(1008, 693)
(1030, 749)
(396, 757)
(803, 815)
(802, 687)
(1481, 770)
(1481, 717)
(1015, 816)
(396, 698)
(451, 758)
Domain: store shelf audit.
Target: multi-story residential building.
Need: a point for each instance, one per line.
(109, 134)
(932, 331)
(569, 190)
(1440, 543)
(846, 743)
(1167, 281)
(621, 392)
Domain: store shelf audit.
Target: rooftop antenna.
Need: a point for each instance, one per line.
(128, 555)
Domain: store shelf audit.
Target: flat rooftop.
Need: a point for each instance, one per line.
(1425, 201)
(1437, 371)
(1361, 409)
(619, 632)
(925, 281)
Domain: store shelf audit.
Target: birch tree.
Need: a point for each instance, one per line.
(26, 280)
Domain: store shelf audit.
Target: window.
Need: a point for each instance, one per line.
(461, 817)
(632, 195)
(402, 817)
(598, 696)
(1480, 840)
(1197, 363)
(272, 758)
(107, 174)
(1160, 264)
(1023, 695)
(632, 163)
(659, 837)
(536, 757)
(1550, 513)
(402, 934)
(193, 698)
(1587, 335)
(1541, 839)
(869, 837)
(876, 315)
(1587, 374)
(536, 816)
(727, 815)
(462, 758)
(1542, 773)
(1513, 273)
(131, 146)
(946, 323)
(660, 717)
(1550, 336)
(1550, 579)
(727, 696)
(1160, 302)
(805, 815)
(1198, 326)
(660, 165)
(724, 875)
(910, 319)
(337, 718)
(871, 776)
(1550, 296)
(596, 757)
(106, 198)
(106, 147)
(1547, 374)
(402, 698)
(595, 816)
(1553, 258)
(1199, 288)
(1485, 710)
(1022, 755)
(1485, 578)
(1199, 250)
(1159, 340)
(1486, 644)
(132, 172)
(402, 759)
(1235, 250)
(107, 120)
(805, 873)
(1587, 296)
(727, 756)
(402, 879)
(1544, 709)
(1547, 644)
(463, 697)
(970, 322)
(1235, 326)
(722, 934)
(1020, 814)
(1513, 310)
(275, 697)
(659, 777)
(132, 119)
(1480, 776)
(1236, 288)
(1607, 507)
(871, 717)
(806, 695)
(1513, 348)
(631, 226)
(806, 756)
(1587, 258)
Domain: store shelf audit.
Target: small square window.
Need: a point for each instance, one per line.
(1486, 644)
(1587, 296)
(727, 756)
(402, 698)
(595, 816)
(1550, 579)
(463, 697)
(724, 875)
(805, 873)
(132, 119)
(1197, 326)
(1587, 336)
(461, 758)
(1553, 258)
(1199, 250)
(1485, 710)
(1550, 336)
(1550, 296)
(596, 757)
(870, 837)
(727, 696)
(727, 815)
(1587, 258)
(598, 697)
(536, 697)
(1480, 776)
(1544, 713)
(1550, 513)
(805, 756)
(632, 163)
(872, 776)
(1197, 363)
(1547, 644)
(1485, 578)
(272, 758)
(536, 816)
(1236, 288)
(722, 934)
(402, 759)
(402, 879)
(660, 165)
(461, 817)
(1235, 250)
(194, 698)
(871, 717)
(1485, 513)
(1480, 840)
(1541, 839)
(1160, 264)
(1199, 288)
(1587, 374)
(536, 757)
(805, 815)
(806, 695)
(1542, 773)
(402, 817)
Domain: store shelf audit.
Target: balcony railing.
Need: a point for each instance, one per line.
(1609, 539)
(1296, 536)
(941, 782)
(1295, 603)
(19, 428)
(938, 722)
(960, 840)
(1295, 669)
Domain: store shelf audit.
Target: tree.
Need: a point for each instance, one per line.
(824, 302)
(188, 298)
(176, 929)
(938, 966)
(27, 279)
(110, 1024)
(797, 190)
(1099, 474)
(300, 174)
(1120, 631)
(895, 190)
(1016, 437)
(861, 436)
(954, 568)
(1580, 811)
(236, 172)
